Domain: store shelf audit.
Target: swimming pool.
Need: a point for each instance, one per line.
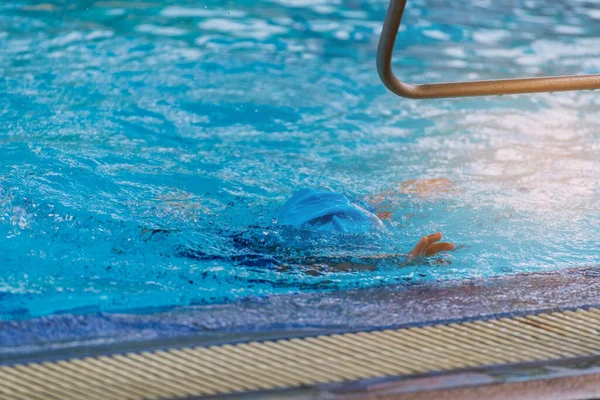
(146, 148)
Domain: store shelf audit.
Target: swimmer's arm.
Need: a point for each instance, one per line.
(426, 247)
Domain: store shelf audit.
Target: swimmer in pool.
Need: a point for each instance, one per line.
(327, 211)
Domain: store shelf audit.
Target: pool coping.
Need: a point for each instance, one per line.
(520, 294)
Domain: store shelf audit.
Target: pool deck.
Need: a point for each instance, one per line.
(572, 388)
(571, 380)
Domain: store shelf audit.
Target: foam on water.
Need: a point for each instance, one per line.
(145, 148)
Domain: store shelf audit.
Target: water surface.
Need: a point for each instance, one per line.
(146, 147)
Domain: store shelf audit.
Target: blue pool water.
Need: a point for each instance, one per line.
(145, 148)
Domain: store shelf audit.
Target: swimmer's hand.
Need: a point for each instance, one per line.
(429, 246)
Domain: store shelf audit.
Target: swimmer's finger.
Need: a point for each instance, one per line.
(420, 247)
(436, 237)
(439, 247)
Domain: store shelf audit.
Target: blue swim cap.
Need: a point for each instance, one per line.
(326, 211)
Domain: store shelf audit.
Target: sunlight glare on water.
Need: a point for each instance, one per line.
(145, 147)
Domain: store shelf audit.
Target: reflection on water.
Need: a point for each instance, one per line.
(134, 133)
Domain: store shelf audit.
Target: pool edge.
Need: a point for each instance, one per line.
(365, 364)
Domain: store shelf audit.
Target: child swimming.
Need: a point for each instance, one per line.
(325, 211)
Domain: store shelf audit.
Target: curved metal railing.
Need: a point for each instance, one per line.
(464, 89)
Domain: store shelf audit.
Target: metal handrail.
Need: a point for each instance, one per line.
(464, 89)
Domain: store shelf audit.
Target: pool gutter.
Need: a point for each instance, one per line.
(381, 363)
